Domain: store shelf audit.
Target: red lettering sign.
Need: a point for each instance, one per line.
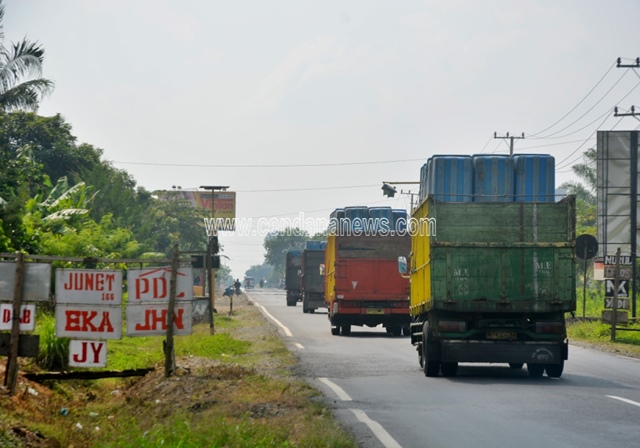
(87, 353)
(84, 321)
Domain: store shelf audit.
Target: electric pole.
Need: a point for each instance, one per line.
(511, 138)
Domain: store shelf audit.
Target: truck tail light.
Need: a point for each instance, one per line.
(399, 304)
(452, 326)
(549, 327)
(349, 304)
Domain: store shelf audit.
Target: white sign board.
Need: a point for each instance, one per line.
(36, 284)
(87, 353)
(89, 286)
(615, 171)
(623, 304)
(88, 321)
(151, 285)
(27, 317)
(151, 320)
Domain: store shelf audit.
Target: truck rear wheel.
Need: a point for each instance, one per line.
(335, 331)
(431, 367)
(346, 330)
(535, 370)
(555, 370)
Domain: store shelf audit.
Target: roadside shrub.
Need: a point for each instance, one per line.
(54, 352)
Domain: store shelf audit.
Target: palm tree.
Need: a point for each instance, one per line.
(21, 84)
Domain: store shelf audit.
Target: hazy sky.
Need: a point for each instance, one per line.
(196, 92)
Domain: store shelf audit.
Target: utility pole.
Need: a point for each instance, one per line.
(212, 248)
(621, 65)
(633, 208)
(633, 112)
(411, 194)
(511, 138)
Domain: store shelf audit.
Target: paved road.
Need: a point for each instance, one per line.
(377, 389)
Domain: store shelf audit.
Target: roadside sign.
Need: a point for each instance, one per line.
(27, 317)
(625, 260)
(624, 274)
(151, 320)
(151, 285)
(622, 317)
(586, 247)
(623, 304)
(623, 288)
(88, 322)
(36, 284)
(89, 286)
(87, 353)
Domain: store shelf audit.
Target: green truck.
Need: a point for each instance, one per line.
(491, 282)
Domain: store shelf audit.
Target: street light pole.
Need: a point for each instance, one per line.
(208, 264)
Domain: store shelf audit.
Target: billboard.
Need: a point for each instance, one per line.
(617, 183)
(224, 203)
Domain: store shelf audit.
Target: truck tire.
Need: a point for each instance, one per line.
(555, 370)
(406, 331)
(291, 302)
(449, 368)
(335, 331)
(516, 365)
(396, 331)
(346, 330)
(535, 370)
(431, 367)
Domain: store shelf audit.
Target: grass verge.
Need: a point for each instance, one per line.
(232, 389)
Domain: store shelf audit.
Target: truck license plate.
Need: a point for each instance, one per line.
(375, 311)
(501, 335)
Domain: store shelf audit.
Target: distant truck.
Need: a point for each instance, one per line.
(293, 277)
(312, 279)
(362, 283)
(249, 282)
(492, 275)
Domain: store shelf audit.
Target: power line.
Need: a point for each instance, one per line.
(578, 148)
(299, 165)
(579, 103)
(592, 107)
(307, 189)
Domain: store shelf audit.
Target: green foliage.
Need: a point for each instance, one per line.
(101, 240)
(54, 352)
(21, 86)
(277, 244)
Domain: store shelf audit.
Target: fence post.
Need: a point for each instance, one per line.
(11, 374)
(169, 353)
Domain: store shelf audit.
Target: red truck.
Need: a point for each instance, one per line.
(362, 282)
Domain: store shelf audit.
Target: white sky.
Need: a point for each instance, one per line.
(211, 83)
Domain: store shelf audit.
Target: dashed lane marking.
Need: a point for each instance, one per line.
(625, 400)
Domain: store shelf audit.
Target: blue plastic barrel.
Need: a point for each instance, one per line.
(355, 217)
(451, 178)
(381, 218)
(312, 245)
(534, 178)
(399, 219)
(492, 178)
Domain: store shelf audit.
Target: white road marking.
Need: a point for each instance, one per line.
(635, 403)
(377, 429)
(280, 324)
(299, 345)
(337, 389)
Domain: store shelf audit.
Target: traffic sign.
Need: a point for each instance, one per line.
(623, 304)
(586, 247)
(623, 288)
(624, 273)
